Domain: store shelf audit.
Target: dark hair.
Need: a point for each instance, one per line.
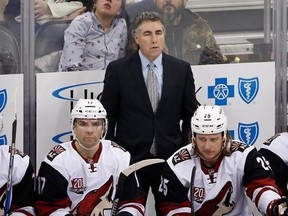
(146, 16)
(137, 21)
(211, 56)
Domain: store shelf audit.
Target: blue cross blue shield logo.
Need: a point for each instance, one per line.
(248, 133)
(248, 88)
(221, 91)
(3, 140)
(3, 99)
(3, 102)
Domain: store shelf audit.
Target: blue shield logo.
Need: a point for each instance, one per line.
(3, 140)
(3, 99)
(248, 133)
(248, 88)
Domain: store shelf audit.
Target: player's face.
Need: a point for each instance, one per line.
(88, 131)
(150, 37)
(209, 146)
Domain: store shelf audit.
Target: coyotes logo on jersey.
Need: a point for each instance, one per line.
(96, 202)
(220, 205)
(58, 149)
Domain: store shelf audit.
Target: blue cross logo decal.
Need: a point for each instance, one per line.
(221, 91)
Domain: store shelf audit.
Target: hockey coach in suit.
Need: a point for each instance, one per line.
(132, 122)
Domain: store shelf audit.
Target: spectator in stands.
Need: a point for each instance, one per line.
(95, 38)
(187, 34)
(50, 9)
(45, 10)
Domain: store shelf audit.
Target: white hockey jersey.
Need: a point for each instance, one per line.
(70, 184)
(275, 150)
(22, 181)
(217, 190)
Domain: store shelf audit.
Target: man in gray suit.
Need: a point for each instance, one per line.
(132, 122)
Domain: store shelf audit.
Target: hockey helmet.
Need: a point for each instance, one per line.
(209, 120)
(88, 109)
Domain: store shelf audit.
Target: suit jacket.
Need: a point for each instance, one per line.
(131, 120)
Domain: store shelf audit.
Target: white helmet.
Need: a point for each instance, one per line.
(1, 123)
(88, 109)
(209, 120)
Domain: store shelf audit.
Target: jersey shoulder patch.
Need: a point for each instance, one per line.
(181, 156)
(238, 146)
(57, 150)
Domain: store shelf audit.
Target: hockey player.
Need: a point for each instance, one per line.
(22, 191)
(226, 170)
(78, 177)
(275, 150)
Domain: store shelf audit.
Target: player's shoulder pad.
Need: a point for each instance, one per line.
(238, 145)
(55, 151)
(115, 145)
(270, 140)
(17, 152)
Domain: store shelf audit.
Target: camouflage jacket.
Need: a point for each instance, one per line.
(190, 38)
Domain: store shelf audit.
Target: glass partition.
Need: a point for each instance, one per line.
(241, 31)
(10, 37)
(202, 32)
(239, 27)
